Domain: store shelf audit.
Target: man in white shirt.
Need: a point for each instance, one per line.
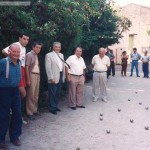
(55, 70)
(100, 63)
(76, 77)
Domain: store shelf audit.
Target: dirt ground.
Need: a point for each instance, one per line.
(82, 129)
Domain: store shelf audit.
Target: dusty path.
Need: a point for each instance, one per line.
(82, 128)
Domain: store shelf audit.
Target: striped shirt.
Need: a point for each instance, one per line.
(14, 73)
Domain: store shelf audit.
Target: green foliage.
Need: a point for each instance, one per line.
(87, 23)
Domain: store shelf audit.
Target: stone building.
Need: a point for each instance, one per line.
(137, 35)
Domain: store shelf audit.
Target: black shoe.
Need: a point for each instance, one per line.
(3, 146)
(81, 106)
(73, 108)
(57, 109)
(31, 117)
(37, 113)
(138, 76)
(16, 142)
(130, 75)
(147, 76)
(54, 112)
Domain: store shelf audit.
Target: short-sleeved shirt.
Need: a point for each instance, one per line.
(77, 65)
(22, 53)
(14, 73)
(32, 62)
(100, 64)
(145, 58)
(135, 56)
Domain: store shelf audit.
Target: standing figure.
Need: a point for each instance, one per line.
(100, 63)
(33, 80)
(22, 43)
(55, 70)
(145, 64)
(124, 59)
(76, 78)
(112, 63)
(10, 76)
(135, 58)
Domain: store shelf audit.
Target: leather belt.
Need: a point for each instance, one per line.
(100, 71)
(35, 73)
(76, 75)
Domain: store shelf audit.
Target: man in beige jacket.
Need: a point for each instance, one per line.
(55, 70)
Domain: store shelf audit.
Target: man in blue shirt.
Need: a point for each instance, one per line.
(135, 58)
(10, 76)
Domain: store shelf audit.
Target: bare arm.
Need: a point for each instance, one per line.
(4, 53)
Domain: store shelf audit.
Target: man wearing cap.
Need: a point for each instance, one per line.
(10, 76)
(135, 56)
(76, 77)
(100, 64)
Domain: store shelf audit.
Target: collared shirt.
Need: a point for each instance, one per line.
(60, 63)
(145, 58)
(32, 62)
(14, 73)
(135, 56)
(22, 53)
(77, 65)
(100, 64)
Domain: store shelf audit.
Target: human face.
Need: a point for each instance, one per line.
(102, 52)
(37, 48)
(24, 40)
(57, 48)
(14, 53)
(78, 52)
(134, 50)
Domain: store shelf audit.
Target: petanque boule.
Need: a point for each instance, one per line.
(146, 108)
(146, 127)
(101, 118)
(101, 114)
(131, 120)
(140, 103)
(129, 99)
(108, 131)
(119, 110)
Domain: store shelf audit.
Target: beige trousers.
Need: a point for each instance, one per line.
(99, 85)
(33, 95)
(75, 90)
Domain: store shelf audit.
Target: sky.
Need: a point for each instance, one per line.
(126, 2)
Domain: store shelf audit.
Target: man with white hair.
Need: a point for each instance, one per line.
(145, 64)
(100, 63)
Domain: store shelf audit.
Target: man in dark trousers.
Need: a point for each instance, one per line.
(10, 76)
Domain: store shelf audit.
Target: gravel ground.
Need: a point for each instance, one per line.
(82, 129)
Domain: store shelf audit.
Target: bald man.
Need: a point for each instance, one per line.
(100, 64)
(10, 76)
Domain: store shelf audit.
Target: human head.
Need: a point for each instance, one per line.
(14, 52)
(57, 47)
(23, 39)
(134, 50)
(102, 52)
(78, 52)
(36, 47)
(124, 52)
(145, 52)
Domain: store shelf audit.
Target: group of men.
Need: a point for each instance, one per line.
(20, 78)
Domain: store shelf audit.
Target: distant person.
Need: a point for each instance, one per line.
(10, 76)
(100, 63)
(55, 70)
(135, 56)
(145, 64)
(111, 69)
(33, 80)
(124, 59)
(76, 78)
(22, 43)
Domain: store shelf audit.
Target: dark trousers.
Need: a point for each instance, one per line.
(10, 99)
(111, 69)
(134, 64)
(124, 69)
(54, 91)
(145, 69)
